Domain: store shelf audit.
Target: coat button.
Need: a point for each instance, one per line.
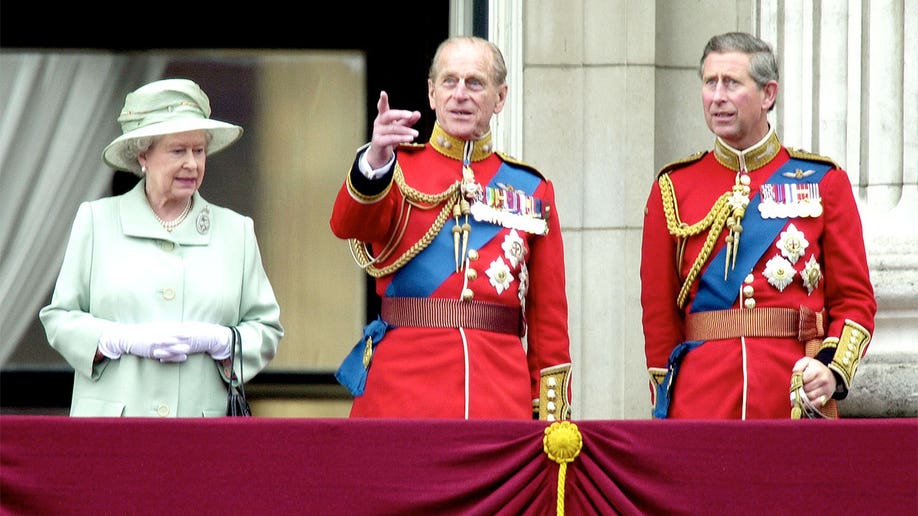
(162, 410)
(167, 246)
(168, 293)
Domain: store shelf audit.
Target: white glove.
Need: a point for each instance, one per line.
(201, 337)
(147, 340)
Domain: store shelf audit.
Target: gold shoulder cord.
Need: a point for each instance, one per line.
(802, 154)
(414, 198)
(715, 220)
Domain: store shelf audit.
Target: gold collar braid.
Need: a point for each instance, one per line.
(753, 158)
(453, 147)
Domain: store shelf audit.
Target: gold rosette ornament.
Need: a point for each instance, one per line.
(562, 443)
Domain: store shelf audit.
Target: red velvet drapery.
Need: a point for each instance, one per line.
(60, 465)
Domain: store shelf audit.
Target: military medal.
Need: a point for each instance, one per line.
(514, 250)
(499, 275)
(811, 275)
(799, 173)
(792, 243)
(524, 285)
(779, 272)
(790, 200)
(505, 206)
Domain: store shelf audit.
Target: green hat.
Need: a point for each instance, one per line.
(165, 107)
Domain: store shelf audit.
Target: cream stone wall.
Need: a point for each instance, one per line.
(610, 93)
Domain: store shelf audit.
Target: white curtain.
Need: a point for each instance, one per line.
(58, 110)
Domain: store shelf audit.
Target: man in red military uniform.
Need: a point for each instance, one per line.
(465, 245)
(756, 295)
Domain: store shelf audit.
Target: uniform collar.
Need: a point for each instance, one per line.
(753, 158)
(453, 147)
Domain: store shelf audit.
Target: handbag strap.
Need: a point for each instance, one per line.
(236, 381)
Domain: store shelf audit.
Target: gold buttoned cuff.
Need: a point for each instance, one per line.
(848, 350)
(554, 403)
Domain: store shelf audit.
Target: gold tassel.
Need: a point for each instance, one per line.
(562, 443)
(468, 191)
(738, 201)
(456, 231)
(466, 229)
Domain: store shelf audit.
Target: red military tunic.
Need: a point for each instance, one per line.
(815, 259)
(459, 372)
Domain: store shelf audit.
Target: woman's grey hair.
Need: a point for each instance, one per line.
(498, 66)
(135, 147)
(763, 67)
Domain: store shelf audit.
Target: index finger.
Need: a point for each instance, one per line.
(382, 105)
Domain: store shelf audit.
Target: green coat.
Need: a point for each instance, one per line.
(122, 266)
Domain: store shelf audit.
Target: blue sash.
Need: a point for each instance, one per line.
(352, 373)
(661, 404)
(715, 293)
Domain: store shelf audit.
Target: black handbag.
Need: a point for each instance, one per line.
(236, 403)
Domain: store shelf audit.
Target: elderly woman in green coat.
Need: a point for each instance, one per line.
(153, 280)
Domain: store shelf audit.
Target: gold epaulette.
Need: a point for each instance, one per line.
(809, 156)
(681, 163)
(510, 159)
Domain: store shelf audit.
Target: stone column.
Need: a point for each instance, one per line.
(850, 94)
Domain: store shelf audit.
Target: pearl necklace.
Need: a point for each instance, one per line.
(172, 224)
